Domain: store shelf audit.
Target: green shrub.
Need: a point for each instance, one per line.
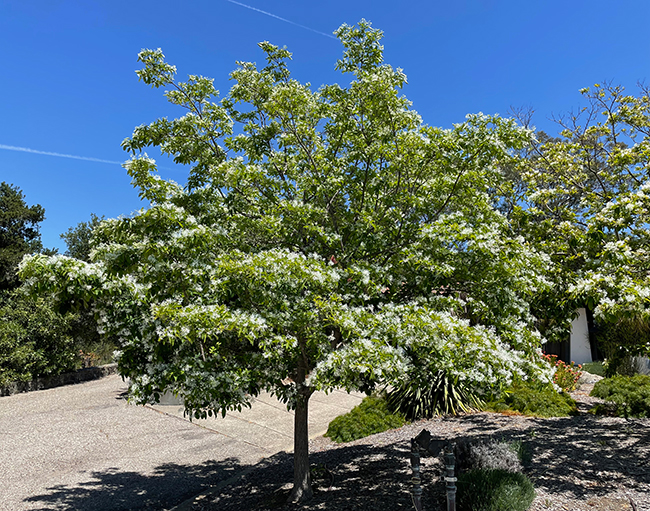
(370, 416)
(625, 364)
(619, 341)
(92, 348)
(626, 396)
(439, 395)
(524, 452)
(34, 340)
(594, 368)
(536, 399)
(494, 490)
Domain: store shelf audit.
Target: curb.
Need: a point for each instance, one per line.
(49, 382)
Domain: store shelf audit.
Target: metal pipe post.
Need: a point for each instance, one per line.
(450, 479)
(416, 491)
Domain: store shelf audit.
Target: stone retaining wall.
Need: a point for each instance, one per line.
(86, 374)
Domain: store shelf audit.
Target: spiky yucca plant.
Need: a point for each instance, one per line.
(440, 395)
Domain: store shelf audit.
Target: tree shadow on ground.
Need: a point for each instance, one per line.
(584, 457)
(359, 477)
(114, 490)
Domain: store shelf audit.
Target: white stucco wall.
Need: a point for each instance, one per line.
(580, 351)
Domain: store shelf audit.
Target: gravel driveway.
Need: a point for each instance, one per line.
(83, 447)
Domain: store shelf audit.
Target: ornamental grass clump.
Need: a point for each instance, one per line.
(626, 396)
(371, 416)
(566, 375)
(536, 399)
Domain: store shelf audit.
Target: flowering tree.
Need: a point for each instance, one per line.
(583, 199)
(324, 239)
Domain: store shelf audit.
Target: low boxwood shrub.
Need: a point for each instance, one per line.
(371, 416)
(523, 450)
(494, 490)
(626, 396)
(536, 399)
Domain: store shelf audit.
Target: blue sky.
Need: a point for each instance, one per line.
(69, 94)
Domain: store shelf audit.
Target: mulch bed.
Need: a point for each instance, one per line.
(581, 463)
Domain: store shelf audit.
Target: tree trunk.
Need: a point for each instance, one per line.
(301, 477)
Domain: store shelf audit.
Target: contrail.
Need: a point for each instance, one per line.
(59, 155)
(281, 19)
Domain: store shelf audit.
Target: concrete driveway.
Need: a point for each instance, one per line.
(83, 447)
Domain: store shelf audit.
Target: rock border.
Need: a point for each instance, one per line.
(49, 382)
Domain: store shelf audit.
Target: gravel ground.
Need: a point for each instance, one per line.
(581, 463)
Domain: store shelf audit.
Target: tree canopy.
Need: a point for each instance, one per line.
(34, 340)
(77, 238)
(324, 238)
(582, 198)
(19, 232)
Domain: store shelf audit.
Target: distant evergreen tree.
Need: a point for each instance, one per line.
(77, 238)
(35, 339)
(19, 232)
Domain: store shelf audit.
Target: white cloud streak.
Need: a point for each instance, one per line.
(281, 19)
(58, 155)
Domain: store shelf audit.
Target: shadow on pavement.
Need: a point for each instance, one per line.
(115, 490)
(585, 457)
